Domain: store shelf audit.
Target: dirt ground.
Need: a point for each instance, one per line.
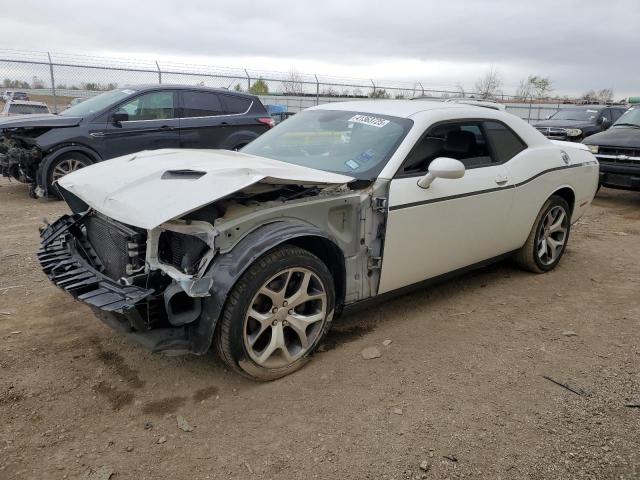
(461, 390)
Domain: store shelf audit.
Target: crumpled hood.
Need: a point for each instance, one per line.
(149, 188)
(39, 121)
(616, 137)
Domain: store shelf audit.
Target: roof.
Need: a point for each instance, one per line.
(168, 86)
(396, 108)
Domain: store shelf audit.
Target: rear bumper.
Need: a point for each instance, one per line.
(620, 176)
(65, 258)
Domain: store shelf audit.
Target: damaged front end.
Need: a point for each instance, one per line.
(157, 253)
(19, 157)
(103, 263)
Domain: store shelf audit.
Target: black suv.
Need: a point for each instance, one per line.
(42, 148)
(576, 123)
(618, 152)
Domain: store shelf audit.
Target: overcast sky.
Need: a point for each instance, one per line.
(580, 45)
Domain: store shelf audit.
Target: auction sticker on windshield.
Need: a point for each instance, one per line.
(369, 120)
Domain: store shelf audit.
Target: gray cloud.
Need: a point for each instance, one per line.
(579, 44)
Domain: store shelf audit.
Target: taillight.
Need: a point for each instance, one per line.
(268, 121)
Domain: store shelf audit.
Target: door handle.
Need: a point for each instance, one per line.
(501, 179)
(166, 127)
(224, 124)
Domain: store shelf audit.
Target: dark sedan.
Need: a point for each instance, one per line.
(42, 148)
(618, 152)
(578, 122)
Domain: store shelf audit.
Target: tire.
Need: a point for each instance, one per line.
(554, 212)
(259, 334)
(68, 163)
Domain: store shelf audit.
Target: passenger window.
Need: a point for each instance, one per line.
(464, 141)
(236, 104)
(505, 143)
(150, 106)
(616, 113)
(201, 104)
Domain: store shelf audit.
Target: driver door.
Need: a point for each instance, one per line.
(152, 124)
(454, 223)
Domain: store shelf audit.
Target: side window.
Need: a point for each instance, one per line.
(616, 113)
(201, 104)
(505, 143)
(606, 113)
(151, 106)
(236, 104)
(464, 141)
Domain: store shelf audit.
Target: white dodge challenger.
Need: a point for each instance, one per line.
(256, 251)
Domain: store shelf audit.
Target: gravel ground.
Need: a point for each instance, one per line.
(460, 392)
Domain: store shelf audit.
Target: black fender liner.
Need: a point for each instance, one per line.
(227, 268)
(45, 164)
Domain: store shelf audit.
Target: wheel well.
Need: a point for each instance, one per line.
(331, 255)
(568, 196)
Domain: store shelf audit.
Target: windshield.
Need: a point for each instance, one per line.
(26, 109)
(630, 117)
(97, 103)
(352, 143)
(586, 115)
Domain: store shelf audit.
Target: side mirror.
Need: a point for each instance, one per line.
(547, 117)
(604, 122)
(119, 117)
(442, 167)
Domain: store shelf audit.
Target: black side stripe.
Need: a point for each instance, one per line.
(481, 192)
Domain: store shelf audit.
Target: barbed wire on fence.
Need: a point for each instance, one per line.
(60, 77)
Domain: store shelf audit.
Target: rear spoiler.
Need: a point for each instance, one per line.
(579, 146)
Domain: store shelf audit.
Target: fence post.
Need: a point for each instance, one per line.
(317, 90)
(421, 88)
(530, 104)
(248, 80)
(159, 73)
(53, 85)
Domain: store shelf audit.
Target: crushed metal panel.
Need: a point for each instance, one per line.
(139, 189)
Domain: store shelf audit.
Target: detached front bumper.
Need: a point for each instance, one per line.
(66, 258)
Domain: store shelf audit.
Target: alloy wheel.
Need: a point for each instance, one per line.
(285, 317)
(552, 235)
(66, 166)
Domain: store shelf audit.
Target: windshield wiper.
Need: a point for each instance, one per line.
(624, 124)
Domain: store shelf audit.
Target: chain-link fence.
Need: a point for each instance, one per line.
(56, 79)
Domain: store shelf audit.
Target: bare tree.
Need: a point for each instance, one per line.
(460, 90)
(490, 84)
(605, 95)
(534, 87)
(293, 85)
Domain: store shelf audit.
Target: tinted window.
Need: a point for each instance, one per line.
(464, 141)
(505, 143)
(616, 112)
(236, 104)
(580, 114)
(201, 104)
(150, 106)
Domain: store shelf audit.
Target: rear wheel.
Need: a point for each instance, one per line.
(548, 237)
(63, 165)
(276, 314)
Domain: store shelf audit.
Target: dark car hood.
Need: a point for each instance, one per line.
(39, 121)
(564, 124)
(616, 137)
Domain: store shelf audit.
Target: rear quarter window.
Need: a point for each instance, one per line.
(504, 142)
(236, 104)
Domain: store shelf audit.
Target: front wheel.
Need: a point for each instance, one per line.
(65, 164)
(548, 237)
(276, 314)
